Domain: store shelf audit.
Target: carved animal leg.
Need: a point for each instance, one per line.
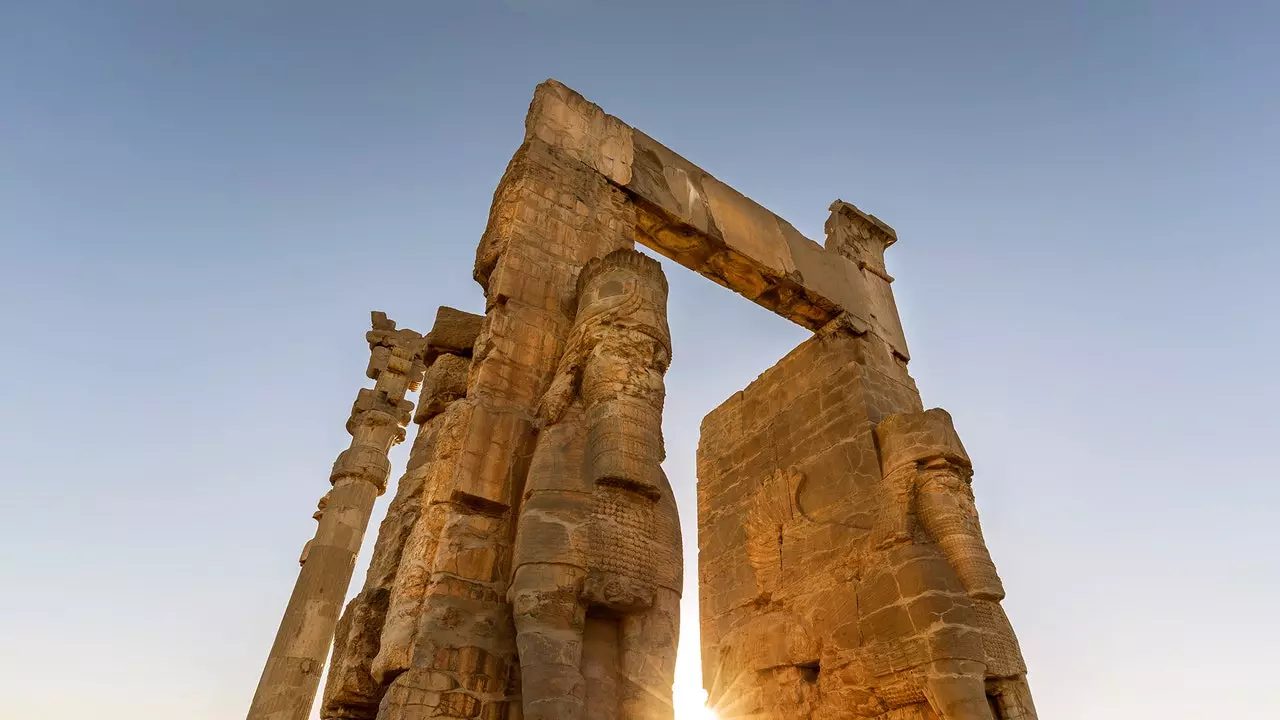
(1013, 697)
(549, 623)
(648, 664)
(957, 691)
(600, 656)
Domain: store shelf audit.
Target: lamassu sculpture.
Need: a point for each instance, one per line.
(529, 566)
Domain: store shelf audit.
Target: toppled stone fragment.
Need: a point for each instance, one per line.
(454, 332)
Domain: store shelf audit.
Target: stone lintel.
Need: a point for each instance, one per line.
(707, 226)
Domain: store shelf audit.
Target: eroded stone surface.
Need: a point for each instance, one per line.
(288, 684)
(598, 536)
(454, 332)
(691, 217)
(551, 215)
(351, 690)
(529, 566)
(843, 573)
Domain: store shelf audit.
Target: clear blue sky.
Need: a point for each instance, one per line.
(201, 202)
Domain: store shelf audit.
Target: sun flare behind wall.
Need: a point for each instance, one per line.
(696, 711)
(693, 706)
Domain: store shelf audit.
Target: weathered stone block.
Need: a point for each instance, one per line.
(487, 463)
(454, 332)
(927, 572)
(444, 382)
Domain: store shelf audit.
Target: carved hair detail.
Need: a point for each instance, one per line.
(634, 313)
(623, 258)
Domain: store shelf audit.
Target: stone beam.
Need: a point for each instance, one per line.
(691, 217)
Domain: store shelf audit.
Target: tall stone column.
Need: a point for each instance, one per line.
(393, 587)
(291, 677)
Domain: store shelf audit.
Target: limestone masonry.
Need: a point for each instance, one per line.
(529, 566)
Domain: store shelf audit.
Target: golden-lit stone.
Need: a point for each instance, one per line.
(529, 566)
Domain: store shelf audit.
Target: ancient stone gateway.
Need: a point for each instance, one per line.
(529, 565)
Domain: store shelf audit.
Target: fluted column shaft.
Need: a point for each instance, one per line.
(291, 677)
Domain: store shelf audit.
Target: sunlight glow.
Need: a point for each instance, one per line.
(700, 712)
(692, 706)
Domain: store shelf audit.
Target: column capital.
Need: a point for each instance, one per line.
(859, 236)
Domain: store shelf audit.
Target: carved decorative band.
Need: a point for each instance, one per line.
(621, 535)
(625, 445)
(364, 463)
(617, 592)
(969, 556)
(1004, 657)
(623, 259)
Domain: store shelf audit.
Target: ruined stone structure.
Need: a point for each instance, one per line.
(596, 587)
(292, 673)
(351, 690)
(529, 565)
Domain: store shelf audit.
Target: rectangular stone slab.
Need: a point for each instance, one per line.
(691, 217)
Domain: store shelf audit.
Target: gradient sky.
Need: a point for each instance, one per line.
(201, 202)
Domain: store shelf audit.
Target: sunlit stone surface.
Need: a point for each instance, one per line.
(529, 565)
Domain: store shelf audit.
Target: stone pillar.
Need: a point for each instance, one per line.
(551, 215)
(390, 596)
(378, 418)
(597, 581)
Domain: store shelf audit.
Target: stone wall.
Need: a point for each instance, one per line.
(787, 474)
(842, 570)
